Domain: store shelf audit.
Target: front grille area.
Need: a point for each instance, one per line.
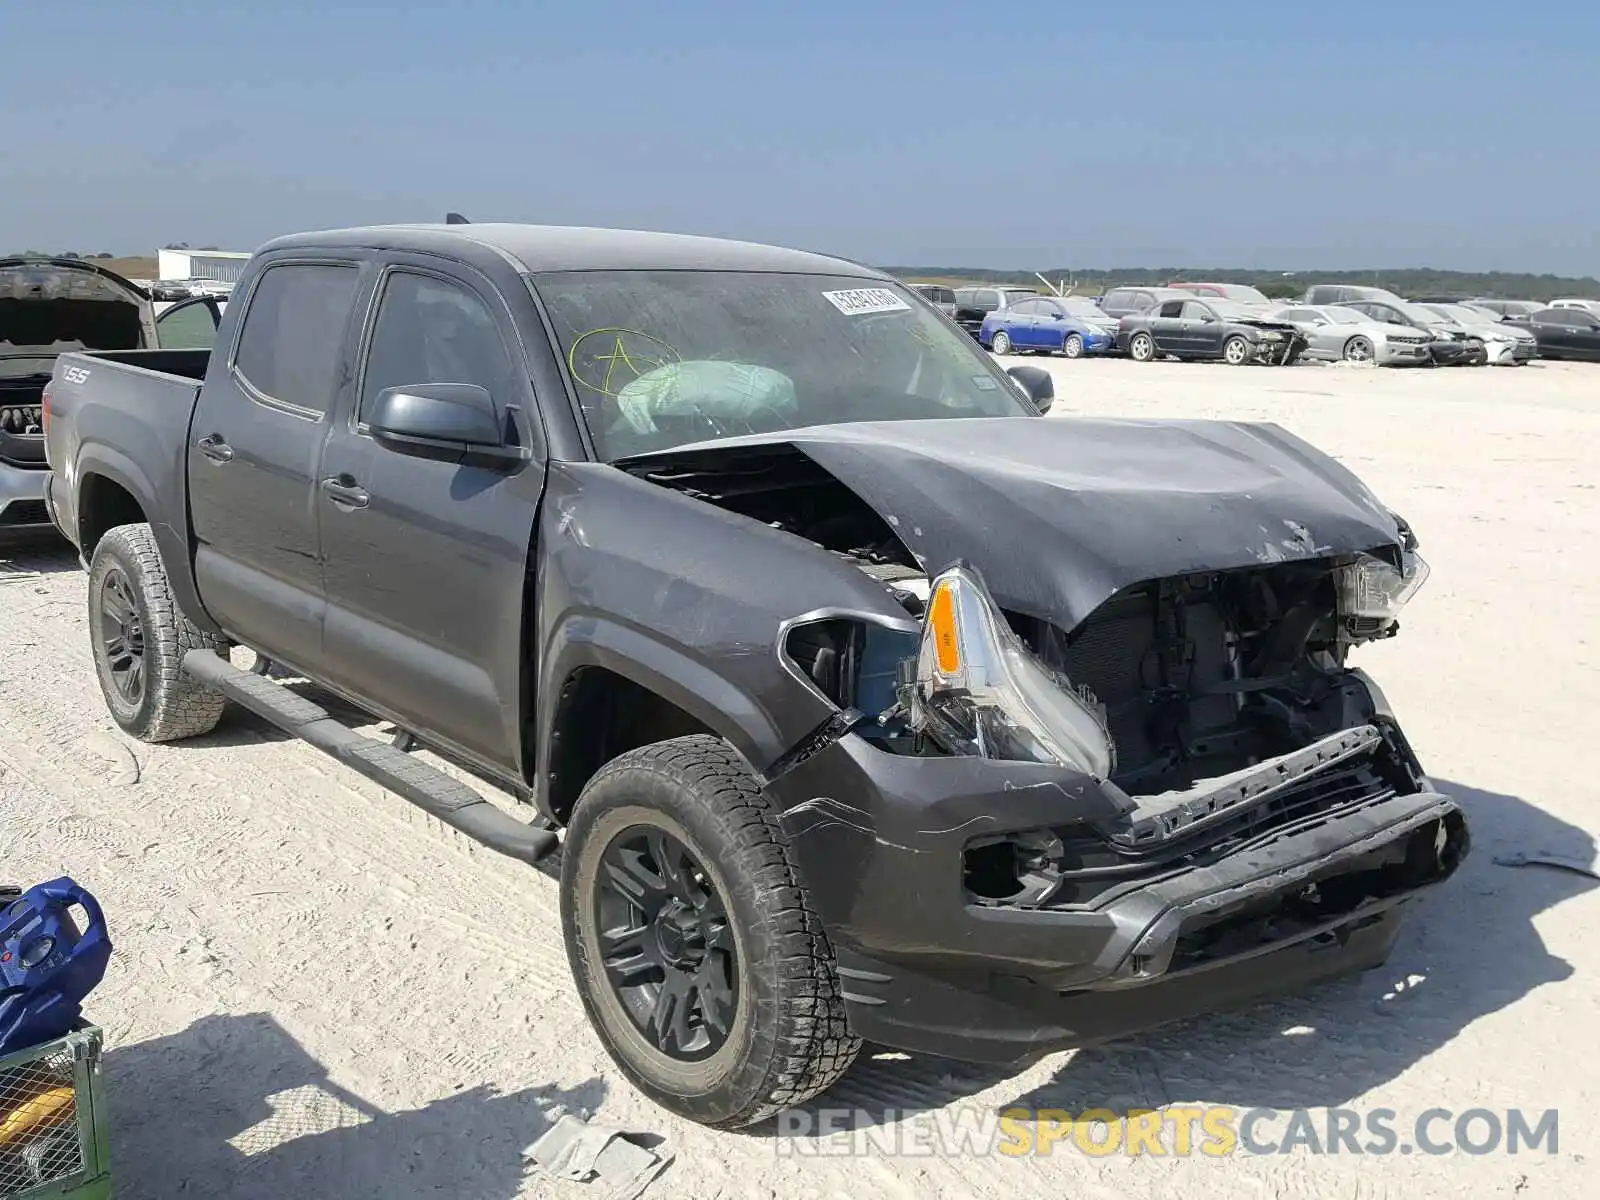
(24, 512)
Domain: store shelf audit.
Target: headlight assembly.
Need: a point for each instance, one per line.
(979, 690)
(1372, 589)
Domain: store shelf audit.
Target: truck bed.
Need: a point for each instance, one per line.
(123, 415)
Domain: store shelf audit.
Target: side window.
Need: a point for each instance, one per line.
(432, 331)
(1195, 311)
(1029, 308)
(188, 325)
(1172, 309)
(289, 346)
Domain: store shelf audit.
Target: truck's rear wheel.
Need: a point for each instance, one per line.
(694, 950)
(139, 637)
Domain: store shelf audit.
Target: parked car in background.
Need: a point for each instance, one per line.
(973, 304)
(1193, 328)
(1241, 293)
(1506, 309)
(1450, 344)
(1568, 333)
(1504, 345)
(1070, 325)
(1121, 301)
(941, 297)
(49, 306)
(1341, 293)
(1334, 333)
(1589, 306)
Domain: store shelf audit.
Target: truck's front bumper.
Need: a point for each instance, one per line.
(925, 967)
(22, 501)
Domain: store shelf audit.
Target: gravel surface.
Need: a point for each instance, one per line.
(319, 992)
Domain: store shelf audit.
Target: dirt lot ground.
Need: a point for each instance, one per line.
(319, 993)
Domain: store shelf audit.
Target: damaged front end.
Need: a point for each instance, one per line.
(1025, 831)
(1238, 796)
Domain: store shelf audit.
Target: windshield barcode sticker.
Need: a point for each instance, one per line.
(859, 301)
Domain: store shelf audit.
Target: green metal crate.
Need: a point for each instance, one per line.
(53, 1121)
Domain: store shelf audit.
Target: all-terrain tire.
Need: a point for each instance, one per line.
(170, 705)
(788, 1039)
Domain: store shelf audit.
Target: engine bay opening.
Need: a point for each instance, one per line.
(1203, 675)
(783, 487)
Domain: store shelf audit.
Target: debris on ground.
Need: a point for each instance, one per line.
(574, 1150)
(1588, 864)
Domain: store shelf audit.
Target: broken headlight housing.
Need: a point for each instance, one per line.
(978, 690)
(1372, 590)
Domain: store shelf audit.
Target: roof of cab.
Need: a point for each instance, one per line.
(537, 248)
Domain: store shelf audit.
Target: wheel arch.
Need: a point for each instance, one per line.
(611, 689)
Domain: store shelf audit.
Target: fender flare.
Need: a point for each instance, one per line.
(586, 640)
(172, 540)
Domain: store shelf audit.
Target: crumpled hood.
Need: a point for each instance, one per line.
(1058, 514)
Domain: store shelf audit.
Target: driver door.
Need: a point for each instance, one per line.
(1202, 329)
(425, 561)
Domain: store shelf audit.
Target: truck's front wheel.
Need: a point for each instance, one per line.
(139, 637)
(694, 950)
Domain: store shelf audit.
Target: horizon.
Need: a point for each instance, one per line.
(1420, 136)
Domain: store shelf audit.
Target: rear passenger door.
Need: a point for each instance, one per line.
(1166, 327)
(425, 560)
(254, 443)
(1022, 322)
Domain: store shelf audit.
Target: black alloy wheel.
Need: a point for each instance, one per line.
(666, 945)
(122, 636)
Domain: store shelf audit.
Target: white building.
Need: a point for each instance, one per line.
(216, 266)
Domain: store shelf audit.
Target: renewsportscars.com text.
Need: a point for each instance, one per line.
(1176, 1131)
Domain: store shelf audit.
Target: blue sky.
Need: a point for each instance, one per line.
(1008, 133)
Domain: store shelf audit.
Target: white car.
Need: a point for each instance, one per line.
(1506, 345)
(1335, 334)
(1592, 306)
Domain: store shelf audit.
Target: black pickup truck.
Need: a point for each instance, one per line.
(869, 703)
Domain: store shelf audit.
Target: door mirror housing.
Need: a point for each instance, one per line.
(1037, 383)
(451, 422)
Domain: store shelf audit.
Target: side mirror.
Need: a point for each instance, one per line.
(451, 422)
(1036, 381)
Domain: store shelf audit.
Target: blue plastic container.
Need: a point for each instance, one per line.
(47, 965)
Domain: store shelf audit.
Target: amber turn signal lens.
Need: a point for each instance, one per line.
(942, 618)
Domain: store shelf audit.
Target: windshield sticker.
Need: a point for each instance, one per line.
(607, 360)
(859, 301)
(984, 384)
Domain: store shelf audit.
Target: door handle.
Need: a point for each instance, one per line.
(214, 448)
(344, 491)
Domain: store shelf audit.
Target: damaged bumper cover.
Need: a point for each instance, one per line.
(928, 967)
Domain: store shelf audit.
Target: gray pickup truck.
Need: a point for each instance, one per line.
(866, 702)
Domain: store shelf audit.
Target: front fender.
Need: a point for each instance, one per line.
(686, 599)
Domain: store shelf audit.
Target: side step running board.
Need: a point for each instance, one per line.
(428, 788)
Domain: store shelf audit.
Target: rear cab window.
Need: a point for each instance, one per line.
(293, 332)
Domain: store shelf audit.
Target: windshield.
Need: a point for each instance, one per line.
(1233, 308)
(663, 358)
(1082, 306)
(1421, 314)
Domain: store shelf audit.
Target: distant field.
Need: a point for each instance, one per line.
(129, 268)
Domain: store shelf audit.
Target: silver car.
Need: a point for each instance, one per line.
(1505, 345)
(1335, 334)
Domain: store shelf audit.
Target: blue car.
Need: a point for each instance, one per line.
(1070, 325)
